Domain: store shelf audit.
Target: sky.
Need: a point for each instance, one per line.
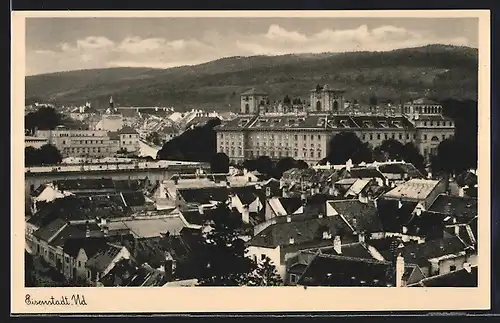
(64, 44)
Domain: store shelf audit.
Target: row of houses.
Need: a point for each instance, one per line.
(344, 226)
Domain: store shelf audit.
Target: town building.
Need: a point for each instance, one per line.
(303, 133)
(35, 142)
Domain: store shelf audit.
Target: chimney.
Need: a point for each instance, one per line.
(361, 237)
(245, 216)
(348, 165)
(87, 232)
(418, 210)
(337, 245)
(288, 218)
(169, 267)
(176, 180)
(268, 191)
(200, 209)
(362, 198)
(456, 227)
(467, 266)
(400, 269)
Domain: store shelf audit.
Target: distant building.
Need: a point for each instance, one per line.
(35, 142)
(304, 135)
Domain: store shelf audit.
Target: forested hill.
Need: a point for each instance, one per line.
(437, 71)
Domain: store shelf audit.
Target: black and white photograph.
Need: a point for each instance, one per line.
(252, 151)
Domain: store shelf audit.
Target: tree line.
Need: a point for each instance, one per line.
(45, 155)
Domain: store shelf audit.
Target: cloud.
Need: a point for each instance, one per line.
(278, 40)
(100, 51)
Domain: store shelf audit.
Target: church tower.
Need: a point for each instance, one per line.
(326, 99)
(254, 101)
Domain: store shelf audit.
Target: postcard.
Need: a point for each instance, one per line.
(250, 161)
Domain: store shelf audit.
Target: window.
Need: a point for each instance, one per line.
(262, 257)
(407, 136)
(400, 136)
(425, 137)
(371, 136)
(296, 137)
(67, 259)
(444, 137)
(312, 154)
(305, 137)
(378, 136)
(293, 278)
(64, 142)
(364, 137)
(425, 123)
(319, 154)
(79, 264)
(385, 136)
(319, 137)
(312, 137)
(453, 268)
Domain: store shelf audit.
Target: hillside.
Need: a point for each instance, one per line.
(440, 71)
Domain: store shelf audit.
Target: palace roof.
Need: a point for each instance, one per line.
(316, 121)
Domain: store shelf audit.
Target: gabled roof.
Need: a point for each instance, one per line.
(48, 231)
(365, 172)
(103, 257)
(462, 231)
(204, 195)
(457, 278)
(127, 131)
(421, 253)
(418, 189)
(463, 207)
(246, 194)
(352, 250)
(90, 245)
(133, 198)
(401, 168)
(361, 217)
(279, 234)
(76, 231)
(395, 214)
(335, 270)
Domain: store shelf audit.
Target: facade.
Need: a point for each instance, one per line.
(35, 142)
(90, 143)
(305, 135)
(129, 139)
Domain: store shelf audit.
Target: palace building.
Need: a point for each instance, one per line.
(303, 132)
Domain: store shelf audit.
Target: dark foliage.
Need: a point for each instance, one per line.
(219, 163)
(346, 145)
(198, 144)
(46, 155)
(45, 118)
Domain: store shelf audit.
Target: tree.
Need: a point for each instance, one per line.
(346, 145)
(264, 165)
(413, 156)
(219, 163)
(447, 160)
(286, 99)
(31, 157)
(223, 260)
(302, 164)
(154, 137)
(389, 149)
(283, 165)
(49, 155)
(45, 118)
(265, 275)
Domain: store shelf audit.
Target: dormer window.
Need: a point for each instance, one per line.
(291, 241)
